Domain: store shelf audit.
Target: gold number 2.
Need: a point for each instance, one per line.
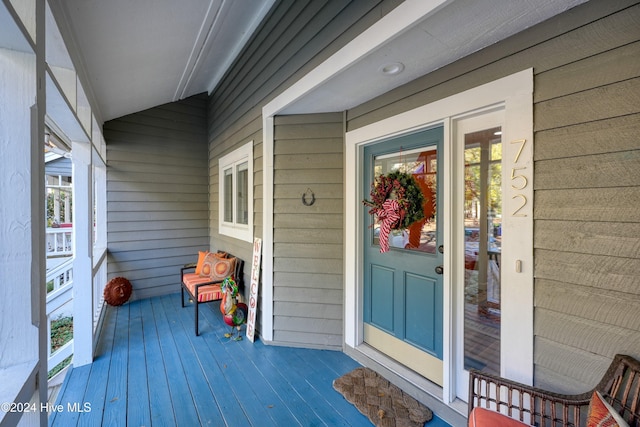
(522, 205)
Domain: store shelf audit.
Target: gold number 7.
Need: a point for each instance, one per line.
(522, 142)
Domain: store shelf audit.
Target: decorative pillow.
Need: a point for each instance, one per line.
(601, 414)
(201, 255)
(481, 417)
(217, 268)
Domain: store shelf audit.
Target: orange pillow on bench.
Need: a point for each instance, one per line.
(201, 255)
(217, 268)
(481, 417)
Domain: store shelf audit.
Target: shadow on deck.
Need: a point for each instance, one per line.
(152, 370)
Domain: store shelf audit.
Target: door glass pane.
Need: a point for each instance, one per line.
(228, 195)
(242, 188)
(422, 164)
(483, 236)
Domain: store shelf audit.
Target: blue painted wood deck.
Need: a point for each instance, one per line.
(151, 370)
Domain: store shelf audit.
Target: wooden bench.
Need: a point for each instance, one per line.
(620, 387)
(201, 289)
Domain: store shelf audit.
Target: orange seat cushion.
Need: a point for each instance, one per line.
(205, 293)
(481, 417)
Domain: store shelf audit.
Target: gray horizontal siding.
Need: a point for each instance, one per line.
(157, 194)
(61, 166)
(604, 136)
(308, 251)
(295, 37)
(591, 198)
(587, 178)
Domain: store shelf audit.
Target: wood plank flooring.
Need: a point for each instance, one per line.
(151, 370)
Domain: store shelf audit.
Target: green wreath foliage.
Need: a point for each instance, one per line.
(402, 187)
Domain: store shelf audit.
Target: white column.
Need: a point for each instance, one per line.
(22, 258)
(19, 309)
(83, 262)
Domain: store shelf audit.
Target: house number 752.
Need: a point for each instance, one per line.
(518, 180)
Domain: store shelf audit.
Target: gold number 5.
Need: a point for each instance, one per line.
(522, 178)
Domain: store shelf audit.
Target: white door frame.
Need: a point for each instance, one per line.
(515, 94)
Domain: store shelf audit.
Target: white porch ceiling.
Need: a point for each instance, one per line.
(144, 53)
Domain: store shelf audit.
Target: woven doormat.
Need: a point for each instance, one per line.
(382, 402)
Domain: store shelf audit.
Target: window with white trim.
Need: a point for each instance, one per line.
(235, 201)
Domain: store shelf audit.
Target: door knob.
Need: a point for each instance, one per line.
(439, 269)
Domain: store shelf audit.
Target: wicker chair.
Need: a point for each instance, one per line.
(620, 386)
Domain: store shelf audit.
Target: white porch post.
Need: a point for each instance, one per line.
(83, 262)
(23, 368)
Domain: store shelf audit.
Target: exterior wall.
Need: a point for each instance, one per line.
(157, 201)
(587, 185)
(294, 38)
(57, 167)
(308, 253)
(218, 241)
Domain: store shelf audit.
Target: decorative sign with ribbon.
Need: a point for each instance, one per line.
(253, 290)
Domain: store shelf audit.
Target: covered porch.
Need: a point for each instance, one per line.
(156, 187)
(150, 369)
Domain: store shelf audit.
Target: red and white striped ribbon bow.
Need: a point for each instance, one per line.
(388, 215)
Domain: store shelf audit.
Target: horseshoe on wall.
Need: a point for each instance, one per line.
(305, 195)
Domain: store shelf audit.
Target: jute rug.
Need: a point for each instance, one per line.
(382, 402)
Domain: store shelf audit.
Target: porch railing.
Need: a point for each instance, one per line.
(99, 282)
(59, 304)
(59, 241)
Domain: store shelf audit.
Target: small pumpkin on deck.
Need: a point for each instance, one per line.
(117, 291)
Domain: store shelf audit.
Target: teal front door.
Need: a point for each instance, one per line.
(403, 294)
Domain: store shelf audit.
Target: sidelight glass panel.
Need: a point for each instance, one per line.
(482, 242)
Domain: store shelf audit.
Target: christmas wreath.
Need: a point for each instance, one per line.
(397, 200)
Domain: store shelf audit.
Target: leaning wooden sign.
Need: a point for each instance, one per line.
(253, 290)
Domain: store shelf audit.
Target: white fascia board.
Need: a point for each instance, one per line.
(390, 26)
